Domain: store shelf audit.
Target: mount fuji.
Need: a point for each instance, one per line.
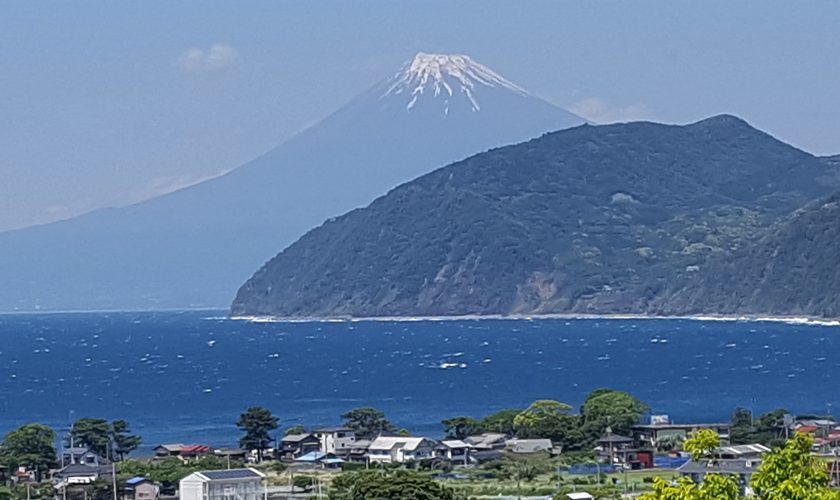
(194, 247)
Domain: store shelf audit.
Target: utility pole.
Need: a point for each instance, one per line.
(114, 477)
(113, 470)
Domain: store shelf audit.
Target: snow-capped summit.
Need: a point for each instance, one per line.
(452, 79)
(215, 234)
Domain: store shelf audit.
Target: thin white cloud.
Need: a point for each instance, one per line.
(216, 58)
(160, 186)
(598, 110)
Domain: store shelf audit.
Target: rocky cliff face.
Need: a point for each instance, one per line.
(627, 218)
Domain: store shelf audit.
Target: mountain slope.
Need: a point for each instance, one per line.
(587, 220)
(792, 270)
(194, 247)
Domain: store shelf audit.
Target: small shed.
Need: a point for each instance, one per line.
(140, 488)
(580, 495)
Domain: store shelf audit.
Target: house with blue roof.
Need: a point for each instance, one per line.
(140, 488)
(319, 459)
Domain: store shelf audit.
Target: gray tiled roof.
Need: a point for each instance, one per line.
(294, 438)
(719, 466)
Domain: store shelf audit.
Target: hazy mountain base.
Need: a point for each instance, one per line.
(625, 219)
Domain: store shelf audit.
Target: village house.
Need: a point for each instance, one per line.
(140, 488)
(357, 452)
(194, 450)
(741, 469)
(661, 428)
(487, 441)
(293, 446)
(453, 450)
(478, 457)
(817, 427)
(741, 451)
(81, 455)
(335, 439)
(529, 446)
(319, 459)
(239, 484)
(167, 450)
(80, 475)
(620, 450)
(185, 451)
(400, 449)
(231, 453)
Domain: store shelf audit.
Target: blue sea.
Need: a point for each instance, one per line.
(186, 376)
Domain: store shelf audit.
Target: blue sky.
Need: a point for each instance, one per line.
(104, 103)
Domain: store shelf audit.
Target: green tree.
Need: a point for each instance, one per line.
(389, 485)
(295, 429)
(769, 428)
(702, 444)
(501, 421)
(461, 427)
(793, 473)
(608, 408)
(741, 428)
(669, 443)
(366, 421)
(546, 418)
(94, 433)
(714, 487)
(124, 441)
(31, 446)
(256, 422)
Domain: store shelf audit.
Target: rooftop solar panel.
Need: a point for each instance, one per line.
(230, 474)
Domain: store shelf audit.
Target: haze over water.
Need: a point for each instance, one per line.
(185, 377)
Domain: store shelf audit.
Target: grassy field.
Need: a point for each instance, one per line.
(529, 476)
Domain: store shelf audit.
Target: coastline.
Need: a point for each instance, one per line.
(791, 320)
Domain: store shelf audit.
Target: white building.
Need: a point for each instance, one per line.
(336, 439)
(454, 450)
(400, 449)
(232, 484)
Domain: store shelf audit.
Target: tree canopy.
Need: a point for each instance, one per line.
(31, 446)
(295, 429)
(124, 441)
(609, 408)
(367, 421)
(389, 485)
(461, 427)
(501, 421)
(702, 444)
(714, 487)
(111, 440)
(546, 418)
(256, 422)
(793, 473)
(95, 433)
(767, 429)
